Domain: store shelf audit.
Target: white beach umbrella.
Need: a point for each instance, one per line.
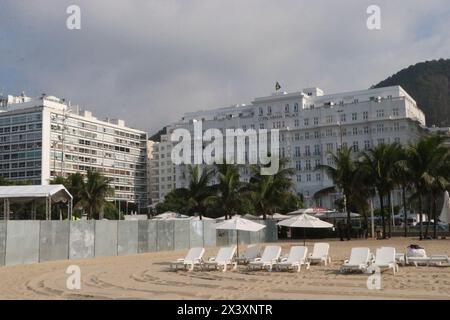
(445, 213)
(239, 224)
(305, 221)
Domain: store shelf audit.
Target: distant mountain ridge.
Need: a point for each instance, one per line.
(429, 84)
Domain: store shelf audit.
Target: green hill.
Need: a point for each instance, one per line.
(429, 84)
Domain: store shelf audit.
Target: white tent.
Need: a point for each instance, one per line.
(170, 215)
(305, 221)
(277, 216)
(337, 215)
(239, 224)
(34, 194)
(445, 213)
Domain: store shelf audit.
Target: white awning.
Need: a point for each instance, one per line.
(57, 192)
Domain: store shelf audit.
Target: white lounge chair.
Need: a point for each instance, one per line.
(385, 259)
(320, 254)
(359, 260)
(251, 253)
(223, 259)
(296, 258)
(436, 260)
(269, 257)
(193, 258)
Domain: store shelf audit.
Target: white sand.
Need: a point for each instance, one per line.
(146, 276)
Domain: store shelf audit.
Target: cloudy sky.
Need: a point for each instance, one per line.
(149, 61)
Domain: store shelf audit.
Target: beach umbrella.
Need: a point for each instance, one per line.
(445, 213)
(305, 221)
(239, 224)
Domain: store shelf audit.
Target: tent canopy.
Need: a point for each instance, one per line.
(57, 192)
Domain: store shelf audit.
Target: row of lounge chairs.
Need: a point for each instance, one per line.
(269, 259)
(361, 259)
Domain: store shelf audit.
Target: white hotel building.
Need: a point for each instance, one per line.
(46, 137)
(313, 124)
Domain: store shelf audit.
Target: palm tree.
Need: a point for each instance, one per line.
(199, 191)
(422, 159)
(268, 192)
(228, 190)
(402, 178)
(379, 163)
(94, 191)
(342, 172)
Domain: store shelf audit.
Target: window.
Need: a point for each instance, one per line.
(355, 101)
(329, 147)
(354, 116)
(329, 133)
(308, 177)
(308, 165)
(397, 140)
(261, 125)
(296, 123)
(380, 141)
(297, 136)
(366, 145)
(396, 126)
(317, 150)
(306, 135)
(395, 112)
(307, 151)
(380, 113)
(318, 176)
(298, 165)
(269, 110)
(306, 122)
(296, 107)
(366, 130)
(317, 163)
(329, 119)
(365, 115)
(316, 121)
(355, 131)
(355, 146)
(297, 151)
(380, 127)
(299, 178)
(261, 111)
(316, 134)
(286, 108)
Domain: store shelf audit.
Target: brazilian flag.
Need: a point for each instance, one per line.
(277, 86)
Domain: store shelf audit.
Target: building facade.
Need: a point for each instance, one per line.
(312, 124)
(45, 137)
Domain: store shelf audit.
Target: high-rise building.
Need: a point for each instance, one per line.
(312, 124)
(46, 137)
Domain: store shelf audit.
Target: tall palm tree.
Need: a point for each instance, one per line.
(95, 190)
(342, 172)
(199, 190)
(422, 156)
(402, 178)
(228, 190)
(268, 192)
(379, 163)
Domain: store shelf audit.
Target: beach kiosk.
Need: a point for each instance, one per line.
(33, 195)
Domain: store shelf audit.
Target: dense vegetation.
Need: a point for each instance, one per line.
(429, 84)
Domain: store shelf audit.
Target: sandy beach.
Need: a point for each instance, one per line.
(146, 276)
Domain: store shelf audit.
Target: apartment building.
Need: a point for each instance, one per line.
(45, 137)
(313, 124)
(163, 171)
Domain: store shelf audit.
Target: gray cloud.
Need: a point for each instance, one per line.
(148, 62)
